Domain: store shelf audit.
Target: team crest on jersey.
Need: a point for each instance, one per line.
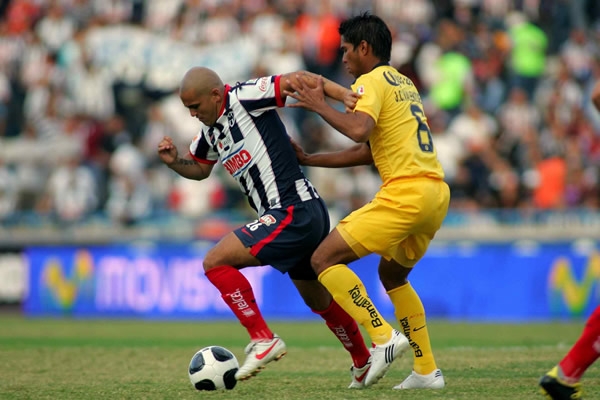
(360, 90)
(267, 219)
(230, 119)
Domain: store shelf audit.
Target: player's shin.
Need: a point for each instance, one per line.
(410, 313)
(238, 295)
(347, 331)
(585, 351)
(349, 292)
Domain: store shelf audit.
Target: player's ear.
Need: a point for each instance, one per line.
(364, 47)
(216, 93)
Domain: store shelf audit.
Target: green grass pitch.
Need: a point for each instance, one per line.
(124, 359)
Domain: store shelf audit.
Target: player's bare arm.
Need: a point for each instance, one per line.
(184, 166)
(359, 154)
(596, 95)
(331, 89)
(356, 125)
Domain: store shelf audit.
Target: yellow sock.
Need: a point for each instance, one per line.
(411, 315)
(349, 292)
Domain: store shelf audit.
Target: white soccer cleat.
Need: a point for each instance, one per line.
(259, 354)
(359, 375)
(383, 355)
(434, 380)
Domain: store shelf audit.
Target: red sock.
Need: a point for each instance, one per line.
(237, 293)
(585, 351)
(346, 330)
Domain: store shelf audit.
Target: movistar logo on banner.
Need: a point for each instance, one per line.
(63, 281)
(572, 290)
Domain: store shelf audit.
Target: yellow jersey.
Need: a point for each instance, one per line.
(401, 142)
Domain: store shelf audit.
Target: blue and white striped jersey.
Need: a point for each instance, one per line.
(252, 143)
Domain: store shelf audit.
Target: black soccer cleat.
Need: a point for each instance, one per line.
(556, 389)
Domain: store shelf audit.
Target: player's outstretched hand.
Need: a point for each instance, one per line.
(167, 151)
(350, 99)
(300, 154)
(309, 98)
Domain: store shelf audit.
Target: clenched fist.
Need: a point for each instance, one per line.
(167, 151)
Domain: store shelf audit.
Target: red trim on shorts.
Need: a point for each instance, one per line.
(278, 98)
(286, 221)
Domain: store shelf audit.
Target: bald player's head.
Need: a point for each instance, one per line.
(201, 91)
(200, 80)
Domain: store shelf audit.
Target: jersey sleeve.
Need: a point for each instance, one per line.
(370, 96)
(260, 94)
(202, 151)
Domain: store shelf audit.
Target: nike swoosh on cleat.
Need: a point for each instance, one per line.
(262, 355)
(361, 377)
(419, 328)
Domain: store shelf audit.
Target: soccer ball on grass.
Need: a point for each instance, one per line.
(213, 368)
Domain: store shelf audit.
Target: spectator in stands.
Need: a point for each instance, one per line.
(317, 30)
(452, 81)
(527, 60)
(129, 199)
(71, 193)
(91, 90)
(21, 16)
(578, 52)
(55, 28)
(473, 127)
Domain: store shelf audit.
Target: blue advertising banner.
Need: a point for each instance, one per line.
(521, 281)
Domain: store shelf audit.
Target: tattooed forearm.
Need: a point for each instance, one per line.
(183, 161)
(189, 168)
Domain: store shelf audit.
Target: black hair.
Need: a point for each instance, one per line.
(372, 30)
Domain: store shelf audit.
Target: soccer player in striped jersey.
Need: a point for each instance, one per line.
(390, 128)
(563, 381)
(240, 127)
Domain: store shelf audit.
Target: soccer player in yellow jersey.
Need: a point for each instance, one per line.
(390, 129)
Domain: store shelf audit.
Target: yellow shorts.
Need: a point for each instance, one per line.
(400, 221)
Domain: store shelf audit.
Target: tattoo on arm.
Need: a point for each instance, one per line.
(183, 161)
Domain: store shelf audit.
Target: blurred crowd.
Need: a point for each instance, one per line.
(88, 88)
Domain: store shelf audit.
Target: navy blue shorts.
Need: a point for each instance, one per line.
(285, 238)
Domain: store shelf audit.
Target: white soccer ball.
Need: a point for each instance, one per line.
(213, 368)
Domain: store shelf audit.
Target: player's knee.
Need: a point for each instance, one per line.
(318, 263)
(207, 266)
(393, 278)
(211, 260)
(392, 283)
